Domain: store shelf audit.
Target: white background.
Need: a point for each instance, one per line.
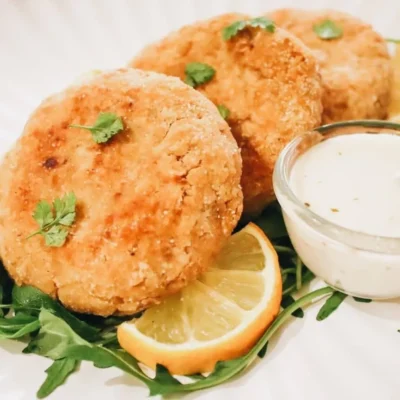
(44, 45)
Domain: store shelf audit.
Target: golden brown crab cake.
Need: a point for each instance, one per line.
(268, 81)
(355, 68)
(154, 204)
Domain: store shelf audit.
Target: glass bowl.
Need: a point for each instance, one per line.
(356, 263)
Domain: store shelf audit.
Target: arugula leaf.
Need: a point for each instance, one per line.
(198, 73)
(51, 227)
(299, 269)
(284, 249)
(362, 300)
(54, 337)
(165, 380)
(223, 111)
(331, 304)
(103, 357)
(32, 300)
(271, 222)
(164, 383)
(289, 286)
(328, 30)
(260, 22)
(288, 301)
(105, 127)
(109, 339)
(263, 351)
(225, 370)
(6, 285)
(57, 373)
(18, 326)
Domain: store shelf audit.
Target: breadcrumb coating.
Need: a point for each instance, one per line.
(268, 81)
(155, 204)
(355, 68)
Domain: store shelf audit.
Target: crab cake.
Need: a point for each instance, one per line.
(154, 205)
(267, 80)
(355, 68)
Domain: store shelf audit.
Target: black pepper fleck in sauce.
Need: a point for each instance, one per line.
(50, 163)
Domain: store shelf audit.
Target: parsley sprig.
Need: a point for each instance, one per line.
(260, 22)
(106, 126)
(328, 30)
(53, 223)
(198, 73)
(223, 111)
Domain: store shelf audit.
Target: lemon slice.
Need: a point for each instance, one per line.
(218, 317)
(394, 106)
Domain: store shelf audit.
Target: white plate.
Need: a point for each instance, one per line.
(44, 45)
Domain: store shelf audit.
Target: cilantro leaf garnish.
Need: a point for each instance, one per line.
(198, 73)
(328, 30)
(224, 111)
(106, 126)
(261, 22)
(53, 223)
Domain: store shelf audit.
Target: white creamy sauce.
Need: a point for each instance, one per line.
(353, 181)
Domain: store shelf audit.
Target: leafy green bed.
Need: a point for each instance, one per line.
(51, 331)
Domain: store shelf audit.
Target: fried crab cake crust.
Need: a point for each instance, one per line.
(268, 81)
(154, 205)
(355, 68)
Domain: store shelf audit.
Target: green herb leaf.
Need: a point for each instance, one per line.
(284, 249)
(225, 370)
(57, 373)
(261, 22)
(263, 351)
(233, 29)
(165, 380)
(106, 126)
(6, 285)
(331, 304)
(362, 300)
(65, 209)
(33, 300)
(53, 228)
(55, 236)
(43, 214)
(299, 268)
(105, 358)
(54, 337)
(198, 73)
(288, 301)
(271, 222)
(328, 30)
(18, 326)
(224, 112)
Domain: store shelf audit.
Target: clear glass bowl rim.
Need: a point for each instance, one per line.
(356, 239)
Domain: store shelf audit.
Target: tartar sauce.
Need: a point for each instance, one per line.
(353, 181)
